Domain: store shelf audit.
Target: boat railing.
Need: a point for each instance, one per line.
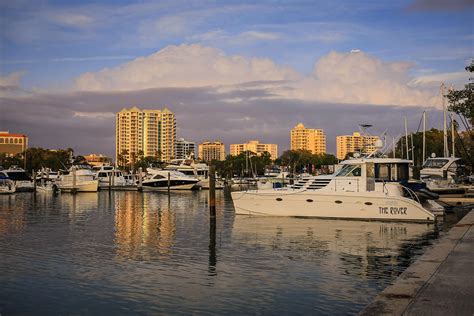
(412, 194)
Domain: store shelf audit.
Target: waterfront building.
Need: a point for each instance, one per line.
(13, 144)
(356, 142)
(184, 149)
(209, 151)
(256, 147)
(313, 140)
(98, 160)
(144, 132)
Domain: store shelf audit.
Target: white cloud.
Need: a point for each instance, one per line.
(12, 79)
(458, 78)
(184, 66)
(336, 78)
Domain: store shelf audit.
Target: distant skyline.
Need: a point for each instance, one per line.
(235, 70)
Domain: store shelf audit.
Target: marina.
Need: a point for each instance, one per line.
(152, 252)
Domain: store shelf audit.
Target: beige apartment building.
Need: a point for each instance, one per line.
(256, 147)
(209, 151)
(152, 132)
(311, 139)
(346, 144)
(13, 144)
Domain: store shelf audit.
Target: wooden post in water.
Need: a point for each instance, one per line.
(140, 179)
(212, 192)
(34, 180)
(73, 190)
(169, 182)
(110, 180)
(42, 177)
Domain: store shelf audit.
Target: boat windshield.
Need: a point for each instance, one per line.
(435, 163)
(349, 171)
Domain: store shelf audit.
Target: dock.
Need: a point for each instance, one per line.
(440, 282)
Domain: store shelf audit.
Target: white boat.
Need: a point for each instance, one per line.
(364, 188)
(273, 180)
(440, 173)
(199, 171)
(80, 178)
(22, 181)
(109, 176)
(158, 179)
(7, 186)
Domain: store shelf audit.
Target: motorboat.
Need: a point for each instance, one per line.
(23, 182)
(159, 179)
(7, 186)
(441, 173)
(199, 171)
(109, 176)
(367, 188)
(272, 180)
(46, 181)
(79, 178)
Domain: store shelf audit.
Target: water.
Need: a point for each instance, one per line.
(145, 253)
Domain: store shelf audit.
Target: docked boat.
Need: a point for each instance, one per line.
(199, 171)
(440, 174)
(159, 179)
(22, 182)
(363, 188)
(109, 176)
(79, 178)
(7, 186)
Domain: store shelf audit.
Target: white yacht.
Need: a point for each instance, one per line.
(199, 171)
(80, 178)
(7, 186)
(440, 173)
(22, 181)
(157, 179)
(109, 176)
(364, 188)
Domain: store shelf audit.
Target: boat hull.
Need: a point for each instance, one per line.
(163, 185)
(87, 186)
(362, 206)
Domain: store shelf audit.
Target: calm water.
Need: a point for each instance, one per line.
(145, 253)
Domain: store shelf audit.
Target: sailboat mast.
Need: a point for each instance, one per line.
(452, 134)
(424, 139)
(406, 138)
(445, 134)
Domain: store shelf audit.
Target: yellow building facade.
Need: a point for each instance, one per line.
(256, 147)
(356, 142)
(13, 144)
(151, 132)
(209, 151)
(313, 140)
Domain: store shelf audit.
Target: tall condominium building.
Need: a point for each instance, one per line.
(211, 151)
(256, 147)
(12, 144)
(311, 139)
(352, 143)
(184, 149)
(152, 132)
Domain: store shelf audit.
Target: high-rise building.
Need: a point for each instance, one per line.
(13, 144)
(209, 151)
(256, 147)
(184, 149)
(346, 144)
(311, 139)
(147, 132)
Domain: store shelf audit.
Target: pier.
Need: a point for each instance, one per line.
(440, 282)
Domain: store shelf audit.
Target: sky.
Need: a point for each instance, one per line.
(229, 70)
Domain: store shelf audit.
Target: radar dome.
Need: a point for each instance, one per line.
(378, 144)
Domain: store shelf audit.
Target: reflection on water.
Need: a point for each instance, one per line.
(131, 252)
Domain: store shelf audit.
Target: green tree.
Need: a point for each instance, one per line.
(462, 101)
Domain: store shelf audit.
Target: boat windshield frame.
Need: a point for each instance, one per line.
(435, 163)
(350, 170)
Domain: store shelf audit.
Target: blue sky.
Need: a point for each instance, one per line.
(260, 67)
(55, 41)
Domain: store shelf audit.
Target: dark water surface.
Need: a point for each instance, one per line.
(145, 253)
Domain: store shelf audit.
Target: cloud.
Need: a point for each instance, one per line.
(184, 66)
(433, 80)
(354, 77)
(12, 79)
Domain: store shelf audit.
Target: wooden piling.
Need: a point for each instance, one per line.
(139, 188)
(169, 182)
(110, 180)
(73, 190)
(212, 192)
(34, 180)
(42, 177)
